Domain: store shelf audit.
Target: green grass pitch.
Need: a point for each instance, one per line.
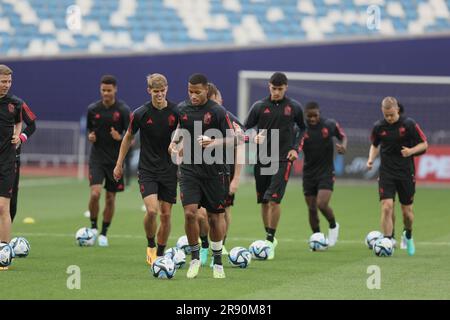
(120, 271)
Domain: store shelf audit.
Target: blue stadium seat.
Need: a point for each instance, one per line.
(157, 17)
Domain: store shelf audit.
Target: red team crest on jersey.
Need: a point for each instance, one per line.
(207, 118)
(287, 110)
(402, 131)
(11, 108)
(116, 116)
(325, 133)
(149, 121)
(171, 120)
(184, 117)
(267, 110)
(97, 116)
(383, 133)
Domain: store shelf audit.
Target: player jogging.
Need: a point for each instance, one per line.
(107, 120)
(155, 121)
(10, 129)
(397, 139)
(281, 113)
(318, 168)
(202, 183)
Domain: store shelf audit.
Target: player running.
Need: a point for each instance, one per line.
(397, 139)
(155, 121)
(276, 113)
(107, 120)
(203, 183)
(235, 169)
(10, 129)
(318, 169)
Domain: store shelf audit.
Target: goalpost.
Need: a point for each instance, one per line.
(354, 101)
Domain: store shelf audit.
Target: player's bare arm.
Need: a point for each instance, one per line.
(421, 147)
(115, 134)
(341, 148)
(292, 155)
(92, 137)
(176, 140)
(124, 148)
(260, 137)
(373, 154)
(16, 136)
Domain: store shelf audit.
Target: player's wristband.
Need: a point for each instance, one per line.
(23, 137)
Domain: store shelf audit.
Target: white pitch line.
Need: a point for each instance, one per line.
(46, 182)
(129, 236)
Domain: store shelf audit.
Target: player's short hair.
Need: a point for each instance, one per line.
(312, 105)
(212, 90)
(278, 79)
(198, 78)
(109, 79)
(401, 108)
(389, 102)
(156, 81)
(5, 70)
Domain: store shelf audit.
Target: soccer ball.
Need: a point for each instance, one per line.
(170, 253)
(239, 257)
(372, 237)
(183, 244)
(85, 237)
(383, 247)
(179, 259)
(259, 250)
(177, 256)
(20, 246)
(163, 268)
(6, 254)
(318, 242)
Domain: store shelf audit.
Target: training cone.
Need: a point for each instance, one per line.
(28, 220)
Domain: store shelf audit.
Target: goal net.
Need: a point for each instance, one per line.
(354, 100)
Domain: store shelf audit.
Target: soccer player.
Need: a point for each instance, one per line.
(403, 244)
(318, 169)
(234, 172)
(201, 183)
(30, 120)
(10, 129)
(107, 120)
(397, 139)
(276, 112)
(235, 167)
(155, 121)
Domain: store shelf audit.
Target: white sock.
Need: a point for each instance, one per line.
(216, 246)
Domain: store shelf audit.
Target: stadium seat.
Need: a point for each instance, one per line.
(187, 23)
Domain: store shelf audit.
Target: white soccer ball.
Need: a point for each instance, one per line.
(259, 250)
(179, 259)
(318, 242)
(177, 256)
(183, 244)
(6, 254)
(239, 257)
(372, 237)
(20, 246)
(383, 247)
(85, 237)
(169, 253)
(163, 268)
